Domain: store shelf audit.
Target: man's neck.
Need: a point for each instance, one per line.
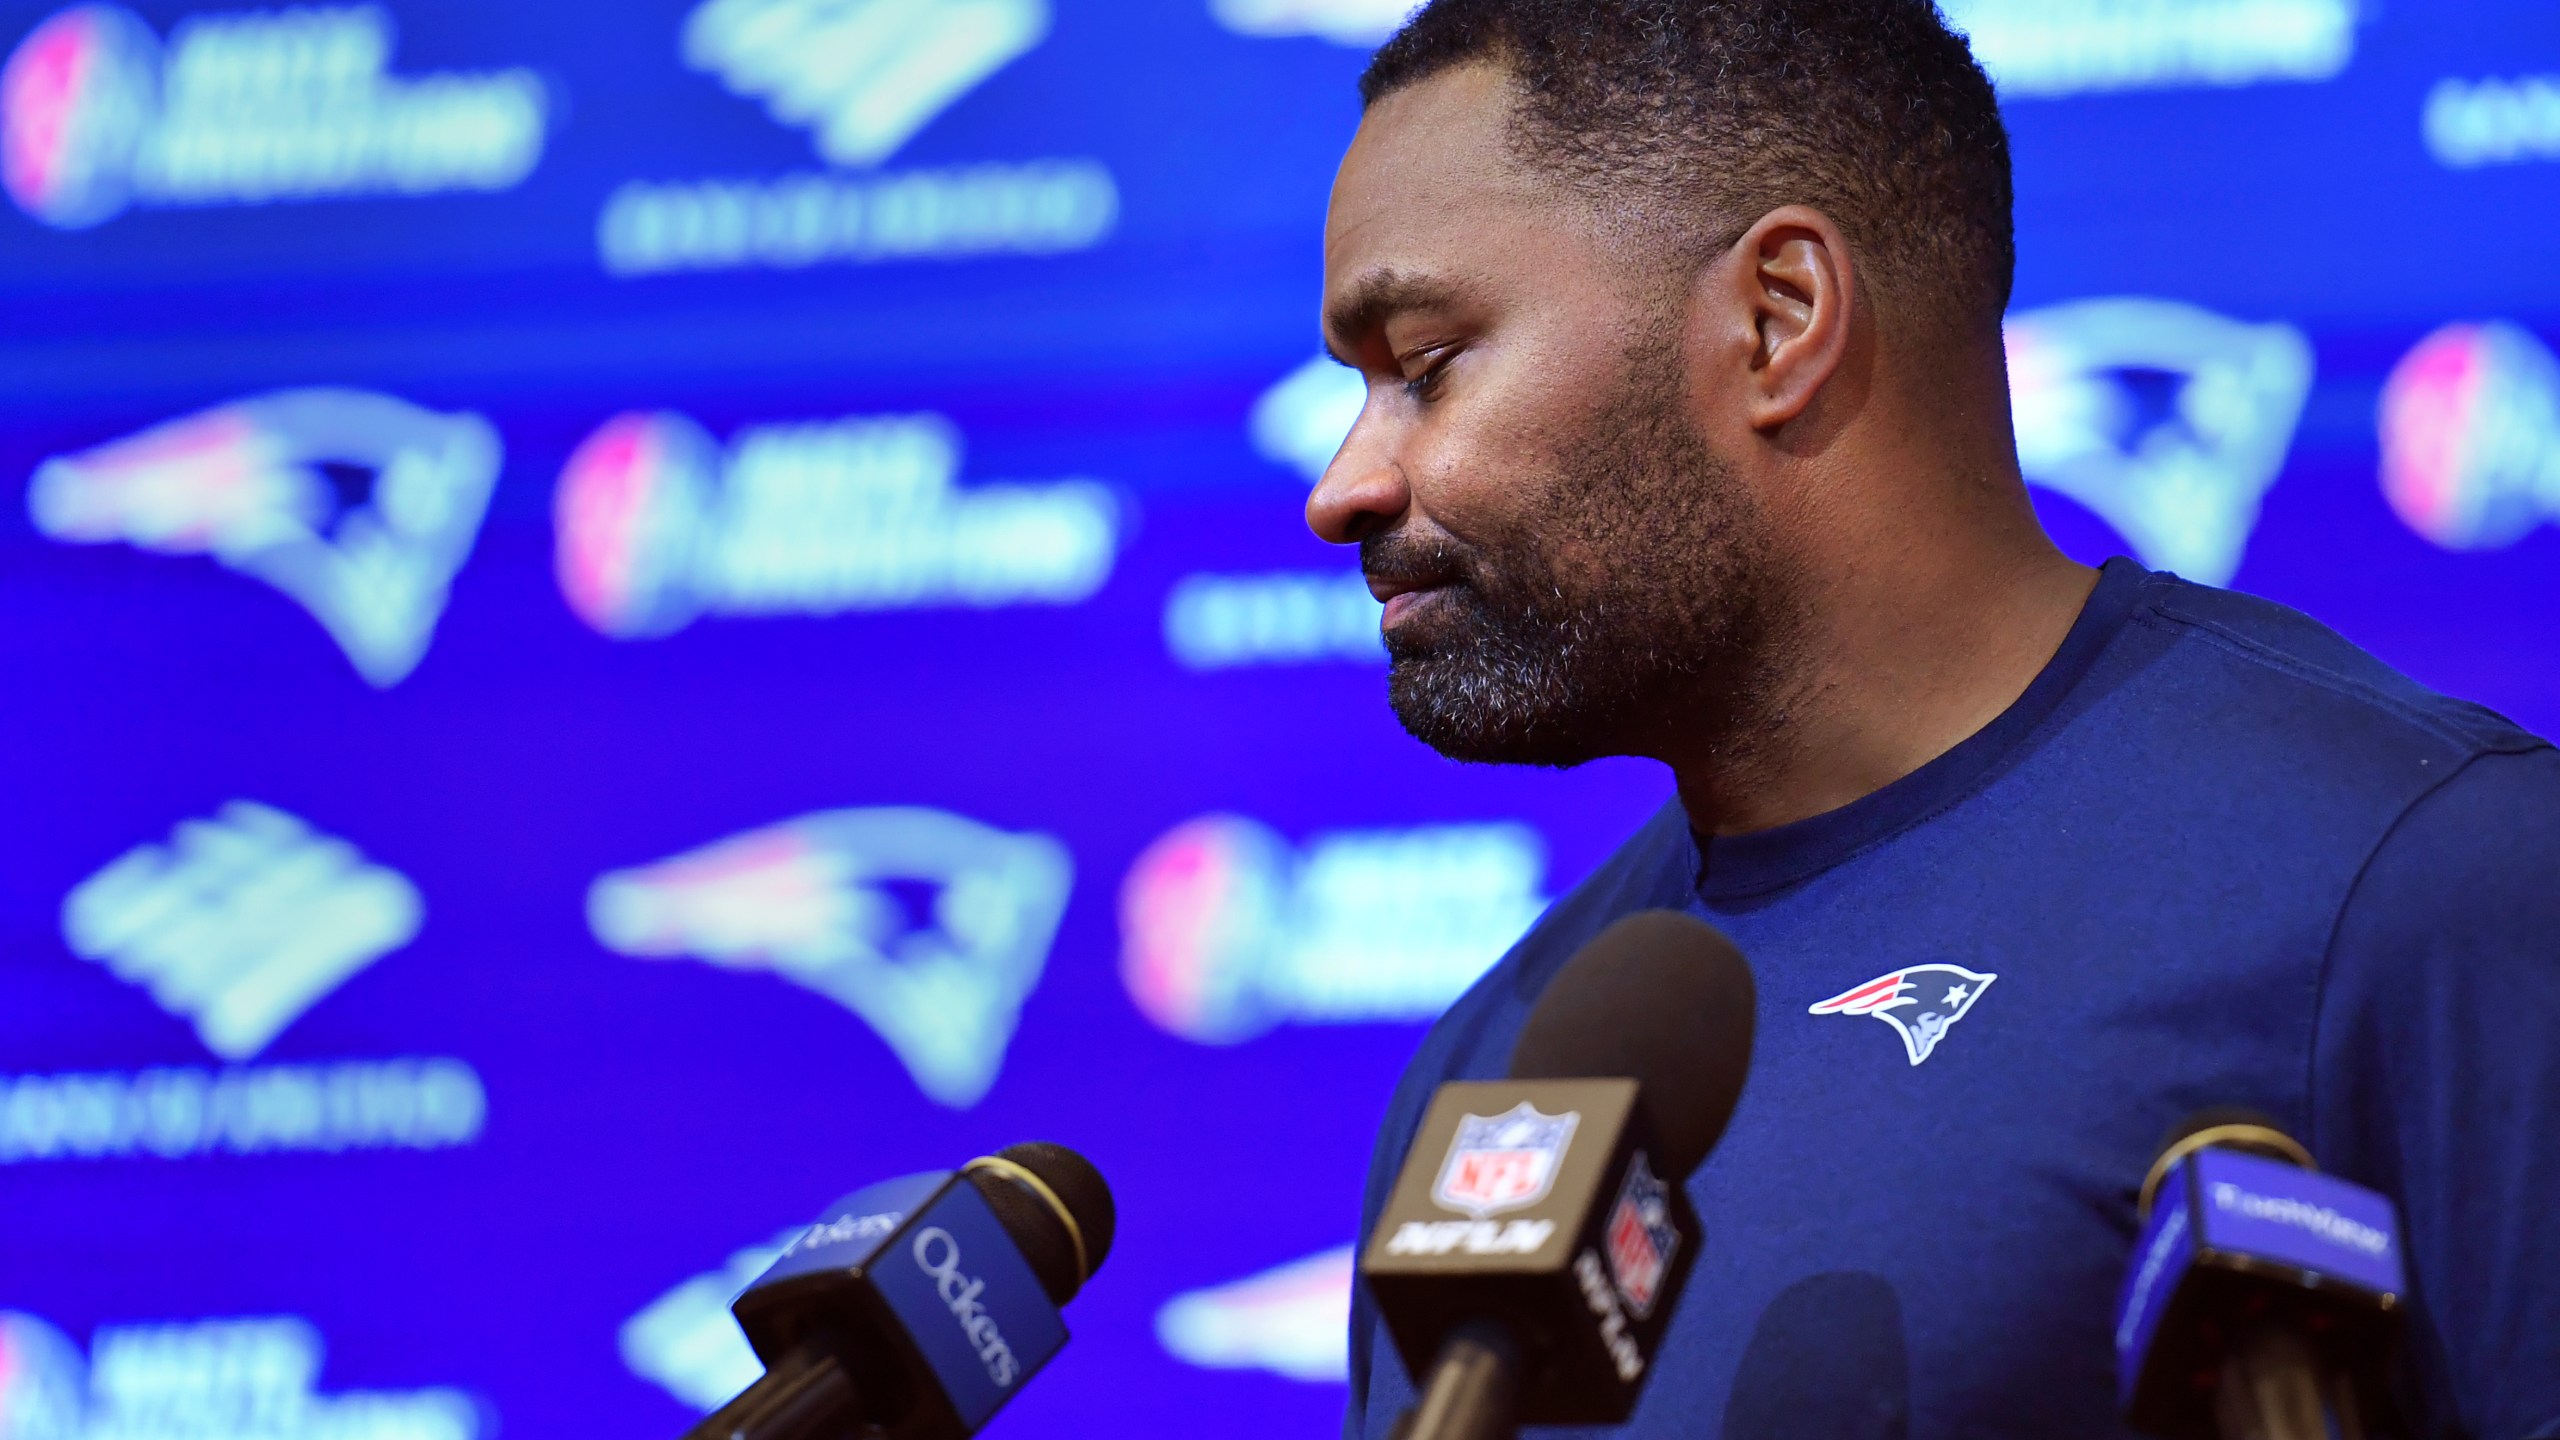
(1881, 676)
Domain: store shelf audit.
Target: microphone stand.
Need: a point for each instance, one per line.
(2273, 1389)
(804, 1395)
(1473, 1392)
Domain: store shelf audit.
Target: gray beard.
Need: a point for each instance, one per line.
(1667, 639)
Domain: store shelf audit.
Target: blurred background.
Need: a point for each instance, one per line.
(621, 618)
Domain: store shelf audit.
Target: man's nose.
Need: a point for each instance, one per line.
(1363, 491)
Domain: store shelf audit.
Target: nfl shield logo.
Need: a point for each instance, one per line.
(1503, 1162)
(1641, 1238)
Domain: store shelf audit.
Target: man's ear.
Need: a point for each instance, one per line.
(1787, 289)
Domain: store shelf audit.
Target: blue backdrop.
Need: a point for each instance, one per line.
(627, 617)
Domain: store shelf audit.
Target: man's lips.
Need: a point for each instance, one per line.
(1401, 601)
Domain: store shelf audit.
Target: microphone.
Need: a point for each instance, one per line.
(2263, 1298)
(1537, 1237)
(920, 1305)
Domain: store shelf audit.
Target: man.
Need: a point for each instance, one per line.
(1687, 436)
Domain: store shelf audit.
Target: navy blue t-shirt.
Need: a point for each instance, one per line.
(2214, 855)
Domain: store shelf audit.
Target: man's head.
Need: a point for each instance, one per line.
(1621, 275)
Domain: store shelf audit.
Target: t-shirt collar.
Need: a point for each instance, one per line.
(1734, 866)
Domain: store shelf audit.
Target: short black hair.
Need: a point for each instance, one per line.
(1872, 111)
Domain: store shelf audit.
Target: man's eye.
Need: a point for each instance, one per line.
(1427, 384)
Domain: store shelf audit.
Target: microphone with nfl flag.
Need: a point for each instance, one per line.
(2264, 1297)
(920, 1305)
(1535, 1241)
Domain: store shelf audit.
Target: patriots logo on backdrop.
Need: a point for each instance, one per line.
(1503, 1162)
(824, 902)
(1641, 1238)
(2168, 422)
(1920, 1002)
(360, 506)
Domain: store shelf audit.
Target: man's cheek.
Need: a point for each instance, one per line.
(1485, 488)
(1580, 558)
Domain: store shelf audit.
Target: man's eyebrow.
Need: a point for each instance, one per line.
(1365, 307)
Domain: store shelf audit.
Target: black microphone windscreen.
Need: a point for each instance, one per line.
(1063, 1224)
(1081, 1186)
(1664, 999)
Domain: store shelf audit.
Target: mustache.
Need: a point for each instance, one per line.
(1413, 562)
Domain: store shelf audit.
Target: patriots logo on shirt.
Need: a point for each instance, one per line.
(1920, 1002)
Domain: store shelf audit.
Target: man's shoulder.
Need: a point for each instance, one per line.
(2468, 864)
(2327, 691)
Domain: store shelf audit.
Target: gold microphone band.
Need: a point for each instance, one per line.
(1037, 1186)
(2241, 1136)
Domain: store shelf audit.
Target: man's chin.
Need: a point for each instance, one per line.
(1477, 719)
